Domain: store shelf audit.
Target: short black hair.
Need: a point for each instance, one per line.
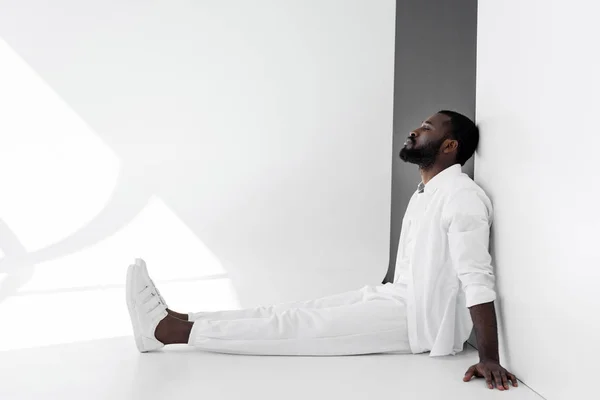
(465, 132)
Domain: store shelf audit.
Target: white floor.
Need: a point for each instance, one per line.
(113, 369)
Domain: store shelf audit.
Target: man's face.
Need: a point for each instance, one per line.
(423, 144)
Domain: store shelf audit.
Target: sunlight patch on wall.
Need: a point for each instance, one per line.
(171, 250)
(57, 173)
(82, 297)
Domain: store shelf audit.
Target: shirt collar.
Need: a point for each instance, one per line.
(441, 178)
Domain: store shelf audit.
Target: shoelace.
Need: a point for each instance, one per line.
(155, 307)
(155, 288)
(152, 294)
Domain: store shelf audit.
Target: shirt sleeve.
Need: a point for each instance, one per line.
(469, 215)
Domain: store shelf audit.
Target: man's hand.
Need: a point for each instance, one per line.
(494, 374)
(486, 332)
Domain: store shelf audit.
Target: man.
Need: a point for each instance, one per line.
(443, 274)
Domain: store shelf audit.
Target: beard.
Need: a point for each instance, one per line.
(425, 156)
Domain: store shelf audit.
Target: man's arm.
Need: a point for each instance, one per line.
(486, 331)
(469, 218)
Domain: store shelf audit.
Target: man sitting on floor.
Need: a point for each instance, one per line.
(443, 284)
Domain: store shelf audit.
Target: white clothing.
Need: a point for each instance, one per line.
(365, 321)
(443, 267)
(444, 262)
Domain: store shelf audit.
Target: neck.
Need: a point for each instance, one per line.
(428, 173)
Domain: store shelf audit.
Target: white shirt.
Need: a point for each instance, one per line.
(444, 262)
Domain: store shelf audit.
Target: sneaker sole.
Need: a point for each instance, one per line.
(131, 307)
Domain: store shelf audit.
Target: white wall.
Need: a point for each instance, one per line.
(242, 148)
(537, 105)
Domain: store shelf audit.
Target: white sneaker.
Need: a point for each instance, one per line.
(143, 270)
(146, 310)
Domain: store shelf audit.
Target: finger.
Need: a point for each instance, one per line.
(504, 380)
(488, 378)
(498, 380)
(469, 374)
(513, 379)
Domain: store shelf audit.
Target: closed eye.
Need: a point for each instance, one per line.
(427, 125)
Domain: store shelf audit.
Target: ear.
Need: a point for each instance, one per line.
(450, 146)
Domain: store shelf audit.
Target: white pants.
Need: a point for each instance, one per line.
(365, 321)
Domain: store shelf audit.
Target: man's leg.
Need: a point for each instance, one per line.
(370, 320)
(340, 299)
(257, 312)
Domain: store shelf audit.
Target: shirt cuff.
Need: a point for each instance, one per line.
(478, 294)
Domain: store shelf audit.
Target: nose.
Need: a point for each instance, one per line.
(413, 134)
